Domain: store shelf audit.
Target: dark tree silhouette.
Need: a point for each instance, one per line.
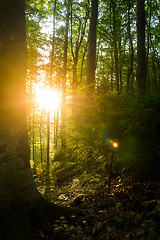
(91, 59)
(22, 208)
(141, 52)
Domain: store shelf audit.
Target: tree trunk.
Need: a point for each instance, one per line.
(17, 188)
(115, 43)
(41, 138)
(91, 59)
(48, 152)
(130, 68)
(33, 141)
(22, 208)
(148, 47)
(75, 55)
(53, 43)
(74, 85)
(141, 52)
(120, 66)
(63, 108)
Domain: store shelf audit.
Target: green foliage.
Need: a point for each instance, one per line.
(60, 225)
(141, 136)
(133, 122)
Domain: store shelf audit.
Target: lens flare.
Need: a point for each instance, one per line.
(115, 145)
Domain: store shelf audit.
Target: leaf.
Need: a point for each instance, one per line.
(84, 222)
(55, 225)
(65, 225)
(38, 6)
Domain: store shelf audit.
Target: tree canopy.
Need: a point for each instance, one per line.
(124, 47)
(80, 97)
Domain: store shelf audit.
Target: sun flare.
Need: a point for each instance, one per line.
(47, 99)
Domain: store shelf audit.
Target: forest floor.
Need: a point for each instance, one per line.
(130, 211)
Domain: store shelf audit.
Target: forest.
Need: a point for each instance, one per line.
(80, 119)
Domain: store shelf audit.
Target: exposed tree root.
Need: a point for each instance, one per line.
(21, 222)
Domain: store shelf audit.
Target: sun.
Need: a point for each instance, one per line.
(47, 99)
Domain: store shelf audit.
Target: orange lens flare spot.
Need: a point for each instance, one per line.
(115, 145)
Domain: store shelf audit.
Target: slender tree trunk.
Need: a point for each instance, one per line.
(33, 141)
(41, 139)
(82, 63)
(48, 152)
(74, 86)
(158, 76)
(75, 56)
(130, 70)
(63, 106)
(75, 61)
(120, 68)
(141, 52)
(154, 75)
(53, 43)
(57, 127)
(48, 113)
(148, 47)
(91, 59)
(113, 5)
(112, 71)
(112, 62)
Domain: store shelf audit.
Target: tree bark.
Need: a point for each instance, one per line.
(91, 59)
(75, 49)
(63, 108)
(130, 68)
(115, 43)
(22, 208)
(48, 152)
(16, 182)
(141, 52)
(53, 43)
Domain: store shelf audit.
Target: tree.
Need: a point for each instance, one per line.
(141, 52)
(22, 208)
(115, 43)
(130, 68)
(63, 112)
(80, 26)
(91, 59)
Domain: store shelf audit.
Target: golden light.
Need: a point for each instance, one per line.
(47, 99)
(115, 145)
